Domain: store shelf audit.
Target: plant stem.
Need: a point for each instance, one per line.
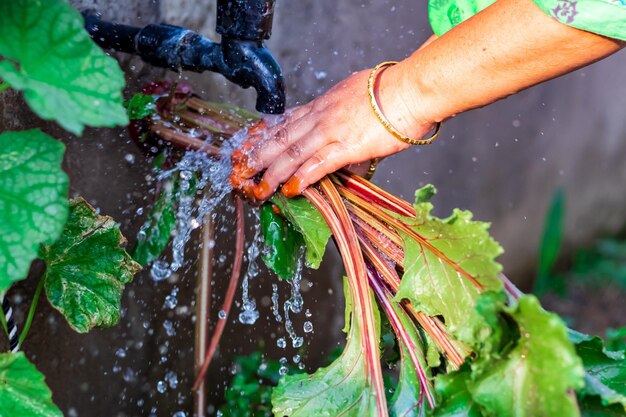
(230, 292)
(203, 308)
(3, 86)
(31, 312)
(3, 320)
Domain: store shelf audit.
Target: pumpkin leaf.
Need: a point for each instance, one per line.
(87, 269)
(63, 74)
(23, 391)
(33, 199)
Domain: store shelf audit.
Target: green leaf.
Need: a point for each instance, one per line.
(156, 232)
(33, 199)
(87, 269)
(605, 370)
(140, 106)
(405, 401)
(456, 400)
(23, 391)
(341, 389)
(550, 245)
(535, 377)
(309, 222)
(431, 282)
(64, 75)
(283, 242)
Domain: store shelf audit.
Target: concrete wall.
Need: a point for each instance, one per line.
(503, 162)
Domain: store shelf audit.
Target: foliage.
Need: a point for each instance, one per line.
(307, 221)
(250, 391)
(23, 392)
(341, 389)
(64, 75)
(432, 285)
(87, 269)
(140, 106)
(550, 246)
(282, 240)
(33, 202)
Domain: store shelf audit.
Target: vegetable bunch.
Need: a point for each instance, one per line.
(470, 343)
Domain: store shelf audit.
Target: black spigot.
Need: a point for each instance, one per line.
(241, 56)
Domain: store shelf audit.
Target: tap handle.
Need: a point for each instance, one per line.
(245, 19)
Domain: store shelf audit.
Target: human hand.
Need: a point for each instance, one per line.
(334, 130)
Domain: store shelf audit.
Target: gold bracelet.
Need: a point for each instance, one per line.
(381, 117)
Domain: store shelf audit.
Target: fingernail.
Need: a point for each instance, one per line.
(292, 187)
(262, 190)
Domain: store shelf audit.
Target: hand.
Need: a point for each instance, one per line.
(336, 129)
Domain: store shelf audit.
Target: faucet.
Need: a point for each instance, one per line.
(241, 56)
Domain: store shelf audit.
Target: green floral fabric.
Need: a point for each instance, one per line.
(604, 17)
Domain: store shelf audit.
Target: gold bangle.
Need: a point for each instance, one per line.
(371, 169)
(381, 117)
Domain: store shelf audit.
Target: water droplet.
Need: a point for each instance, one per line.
(120, 353)
(130, 158)
(248, 316)
(160, 270)
(180, 414)
(170, 300)
(296, 359)
(307, 327)
(281, 343)
(161, 386)
(169, 328)
(283, 370)
(221, 315)
(172, 379)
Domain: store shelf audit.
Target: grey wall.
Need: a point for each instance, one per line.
(502, 162)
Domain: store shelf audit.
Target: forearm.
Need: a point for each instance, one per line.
(507, 47)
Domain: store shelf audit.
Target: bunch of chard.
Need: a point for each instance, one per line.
(470, 343)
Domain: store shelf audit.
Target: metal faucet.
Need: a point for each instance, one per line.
(241, 56)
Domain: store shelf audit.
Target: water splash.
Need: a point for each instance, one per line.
(208, 177)
(275, 308)
(249, 314)
(294, 304)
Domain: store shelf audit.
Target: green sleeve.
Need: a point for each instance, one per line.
(604, 17)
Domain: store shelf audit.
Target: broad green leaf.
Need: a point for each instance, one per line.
(33, 199)
(535, 378)
(605, 370)
(456, 400)
(341, 389)
(309, 222)
(23, 391)
(64, 75)
(140, 106)
(283, 243)
(87, 269)
(431, 281)
(156, 232)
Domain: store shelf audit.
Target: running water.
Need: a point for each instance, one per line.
(249, 314)
(209, 176)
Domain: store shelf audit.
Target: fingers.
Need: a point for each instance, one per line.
(281, 139)
(328, 159)
(286, 164)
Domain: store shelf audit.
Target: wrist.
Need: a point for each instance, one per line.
(408, 107)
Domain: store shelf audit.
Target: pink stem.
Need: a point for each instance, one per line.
(230, 292)
(384, 298)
